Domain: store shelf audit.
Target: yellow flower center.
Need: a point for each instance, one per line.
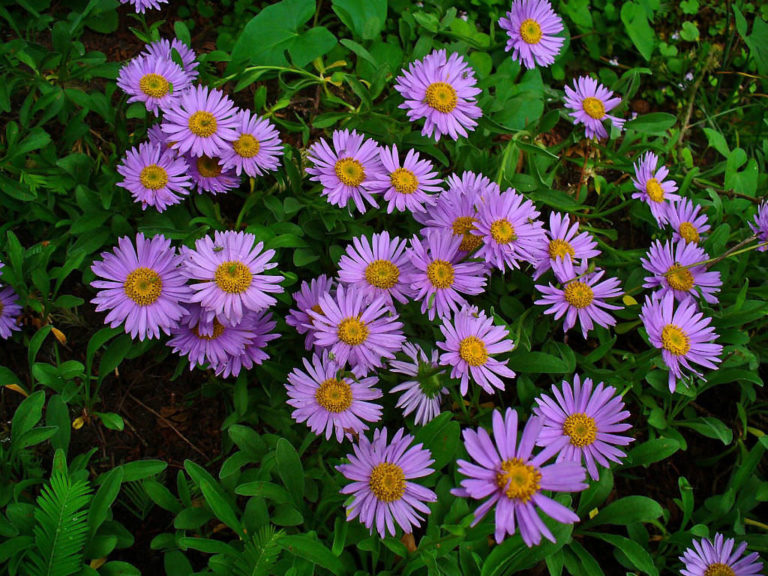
(674, 340)
(440, 274)
(246, 146)
(593, 107)
(441, 96)
(719, 569)
(689, 233)
(530, 31)
(350, 171)
(578, 294)
(502, 231)
(382, 274)
(654, 190)
(560, 248)
(404, 181)
(472, 351)
(352, 331)
(153, 177)
(387, 482)
(154, 85)
(233, 277)
(581, 428)
(462, 226)
(208, 167)
(520, 480)
(679, 278)
(202, 124)
(143, 286)
(218, 330)
(334, 395)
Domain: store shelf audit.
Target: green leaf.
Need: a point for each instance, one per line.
(654, 123)
(57, 414)
(29, 413)
(113, 355)
(690, 32)
(639, 30)
(118, 568)
(36, 342)
(636, 554)
(111, 420)
(290, 469)
(263, 489)
(140, 469)
(513, 556)
(103, 499)
(441, 436)
(221, 507)
(309, 548)
(97, 341)
(653, 451)
(711, 428)
(161, 496)
(627, 510)
(536, 363)
(365, 19)
(34, 437)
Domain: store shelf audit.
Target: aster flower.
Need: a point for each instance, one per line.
(9, 312)
(156, 136)
(686, 220)
(441, 90)
(652, 188)
(257, 148)
(581, 298)
(346, 170)
(331, 401)
(164, 48)
(156, 82)
(584, 424)
(590, 102)
(683, 335)
(509, 229)
(562, 241)
(382, 486)
(154, 175)
(760, 226)
(405, 185)
(531, 26)
(201, 122)
(513, 477)
(229, 270)
(142, 286)
(308, 298)
(356, 330)
(471, 342)
(209, 175)
(378, 267)
(142, 5)
(439, 279)
(258, 326)
(672, 271)
(718, 558)
(425, 392)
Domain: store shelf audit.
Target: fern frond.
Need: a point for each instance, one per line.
(261, 553)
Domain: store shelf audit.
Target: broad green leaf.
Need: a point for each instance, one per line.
(636, 554)
(653, 451)
(310, 548)
(141, 469)
(290, 469)
(639, 30)
(654, 123)
(627, 510)
(364, 19)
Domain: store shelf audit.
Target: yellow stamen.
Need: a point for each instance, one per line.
(679, 278)
(208, 167)
(462, 226)
(593, 107)
(440, 274)
(350, 171)
(143, 286)
(502, 231)
(441, 96)
(334, 395)
(154, 85)
(233, 277)
(654, 190)
(218, 330)
(202, 124)
(153, 177)
(382, 274)
(519, 480)
(719, 569)
(674, 340)
(246, 146)
(352, 331)
(578, 294)
(404, 181)
(387, 482)
(560, 248)
(689, 233)
(530, 31)
(472, 350)
(581, 428)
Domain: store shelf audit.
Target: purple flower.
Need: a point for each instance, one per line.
(330, 401)
(684, 218)
(142, 286)
(346, 170)
(229, 270)
(308, 298)
(142, 5)
(590, 102)
(584, 424)
(201, 122)
(439, 278)
(652, 188)
(672, 271)
(562, 241)
(164, 49)
(378, 267)
(683, 335)
(257, 148)
(513, 479)
(156, 82)
(760, 227)
(356, 330)
(381, 477)
(425, 392)
(154, 175)
(441, 90)
(209, 175)
(259, 326)
(405, 185)
(9, 312)
(531, 26)
(718, 558)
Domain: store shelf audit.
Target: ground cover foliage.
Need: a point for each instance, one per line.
(116, 458)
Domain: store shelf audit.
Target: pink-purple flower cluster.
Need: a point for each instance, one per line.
(9, 309)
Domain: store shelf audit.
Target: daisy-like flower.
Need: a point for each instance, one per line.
(760, 226)
(142, 5)
(229, 270)
(683, 335)
(382, 485)
(652, 188)
(378, 267)
(425, 392)
(718, 558)
(257, 148)
(405, 186)
(357, 330)
(531, 26)
(439, 279)
(154, 175)
(471, 341)
(508, 225)
(308, 298)
(156, 82)
(157, 137)
(209, 175)
(346, 170)
(686, 220)
(513, 478)
(201, 122)
(562, 241)
(584, 423)
(590, 102)
(9, 311)
(671, 272)
(443, 91)
(259, 326)
(164, 48)
(331, 401)
(581, 298)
